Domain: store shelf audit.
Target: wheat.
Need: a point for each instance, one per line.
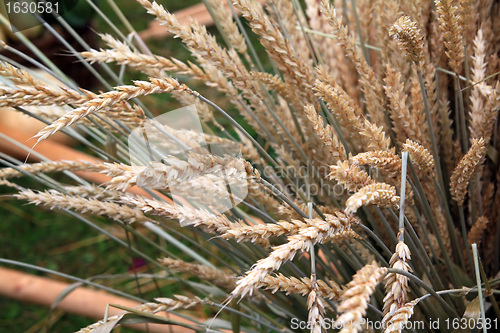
(397, 320)
(420, 156)
(406, 124)
(396, 285)
(476, 232)
(355, 298)
(335, 227)
(326, 134)
(384, 160)
(279, 48)
(52, 166)
(122, 93)
(327, 290)
(406, 32)
(482, 111)
(216, 276)
(235, 38)
(342, 88)
(452, 33)
(352, 177)
(261, 232)
(53, 199)
(459, 180)
(380, 194)
(185, 214)
(316, 312)
(17, 75)
(370, 86)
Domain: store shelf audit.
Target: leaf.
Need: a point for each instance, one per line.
(472, 311)
(65, 292)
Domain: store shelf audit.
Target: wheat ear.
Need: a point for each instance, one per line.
(218, 277)
(303, 286)
(384, 160)
(18, 75)
(355, 298)
(420, 156)
(476, 232)
(121, 93)
(259, 232)
(185, 214)
(316, 318)
(335, 227)
(459, 180)
(397, 320)
(452, 33)
(369, 82)
(380, 194)
(227, 24)
(406, 32)
(52, 166)
(54, 199)
(396, 285)
(326, 134)
(352, 177)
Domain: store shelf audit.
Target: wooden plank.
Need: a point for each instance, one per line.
(82, 301)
